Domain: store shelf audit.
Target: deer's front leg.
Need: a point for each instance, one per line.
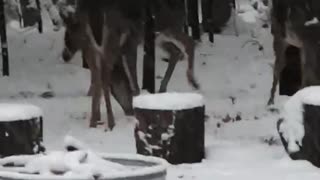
(95, 86)
(175, 55)
(280, 48)
(107, 67)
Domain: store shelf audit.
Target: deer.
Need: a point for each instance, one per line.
(113, 40)
(295, 23)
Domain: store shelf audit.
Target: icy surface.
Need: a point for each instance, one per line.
(169, 101)
(15, 112)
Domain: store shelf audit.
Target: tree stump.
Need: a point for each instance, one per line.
(290, 77)
(20, 130)
(170, 126)
(299, 127)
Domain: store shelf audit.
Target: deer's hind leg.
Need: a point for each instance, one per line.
(95, 86)
(280, 48)
(189, 47)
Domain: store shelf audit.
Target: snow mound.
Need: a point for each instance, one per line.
(292, 127)
(168, 101)
(15, 112)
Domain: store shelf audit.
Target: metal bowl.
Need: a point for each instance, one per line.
(143, 168)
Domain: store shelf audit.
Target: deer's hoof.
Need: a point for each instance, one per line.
(162, 90)
(93, 125)
(270, 102)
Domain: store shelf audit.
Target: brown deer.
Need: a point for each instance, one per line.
(108, 33)
(295, 23)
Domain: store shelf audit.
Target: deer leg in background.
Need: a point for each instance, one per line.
(279, 47)
(120, 88)
(106, 72)
(95, 86)
(129, 51)
(189, 46)
(175, 55)
(91, 69)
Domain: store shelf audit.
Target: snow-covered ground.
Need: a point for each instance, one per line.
(235, 82)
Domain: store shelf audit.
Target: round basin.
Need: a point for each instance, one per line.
(140, 168)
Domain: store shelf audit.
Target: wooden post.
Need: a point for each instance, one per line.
(193, 18)
(4, 43)
(149, 51)
(175, 134)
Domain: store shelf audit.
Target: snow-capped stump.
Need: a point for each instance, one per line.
(299, 125)
(170, 126)
(20, 129)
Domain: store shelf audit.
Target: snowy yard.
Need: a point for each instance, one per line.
(241, 137)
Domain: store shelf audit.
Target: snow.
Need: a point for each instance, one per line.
(292, 126)
(313, 21)
(233, 80)
(18, 112)
(169, 101)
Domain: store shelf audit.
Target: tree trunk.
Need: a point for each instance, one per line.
(193, 18)
(4, 43)
(21, 137)
(207, 19)
(310, 149)
(175, 135)
(40, 24)
(149, 49)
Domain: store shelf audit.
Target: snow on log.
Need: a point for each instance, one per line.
(299, 125)
(20, 129)
(170, 126)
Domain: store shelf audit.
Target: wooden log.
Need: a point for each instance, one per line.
(20, 130)
(301, 139)
(170, 126)
(290, 77)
